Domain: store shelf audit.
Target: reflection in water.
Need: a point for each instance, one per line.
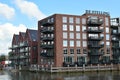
(60, 76)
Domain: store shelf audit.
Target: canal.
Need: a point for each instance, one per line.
(5, 75)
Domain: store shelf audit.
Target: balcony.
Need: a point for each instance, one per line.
(115, 26)
(95, 30)
(24, 56)
(95, 46)
(116, 54)
(115, 33)
(14, 47)
(94, 21)
(93, 53)
(46, 54)
(46, 30)
(115, 46)
(92, 38)
(47, 46)
(47, 23)
(47, 38)
(23, 44)
(115, 40)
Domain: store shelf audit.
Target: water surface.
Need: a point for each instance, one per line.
(6, 75)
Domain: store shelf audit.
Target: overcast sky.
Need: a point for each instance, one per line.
(18, 15)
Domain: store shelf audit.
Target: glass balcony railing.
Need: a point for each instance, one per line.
(47, 46)
(94, 21)
(47, 38)
(95, 30)
(95, 38)
(46, 30)
(47, 23)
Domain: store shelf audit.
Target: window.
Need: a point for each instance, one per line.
(71, 28)
(114, 31)
(83, 21)
(78, 43)
(65, 51)
(71, 51)
(52, 19)
(101, 35)
(64, 19)
(84, 44)
(84, 51)
(77, 28)
(77, 20)
(81, 59)
(107, 43)
(71, 43)
(108, 50)
(71, 35)
(69, 59)
(83, 28)
(64, 35)
(107, 37)
(65, 43)
(52, 42)
(70, 19)
(78, 51)
(84, 36)
(77, 35)
(64, 27)
(106, 21)
(107, 30)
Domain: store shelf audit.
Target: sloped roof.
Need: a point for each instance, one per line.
(15, 38)
(33, 34)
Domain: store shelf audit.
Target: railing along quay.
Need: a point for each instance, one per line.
(78, 69)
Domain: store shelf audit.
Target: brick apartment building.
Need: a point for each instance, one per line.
(72, 39)
(69, 40)
(24, 48)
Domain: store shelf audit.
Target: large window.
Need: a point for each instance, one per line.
(83, 28)
(65, 43)
(84, 44)
(77, 43)
(77, 28)
(70, 19)
(68, 59)
(107, 43)
(71, 35)
(64, 27)
(77, 20)
(107, 29)
(77, 35)
(106, 21)
(83, 21)
(64, 19)
(71, 43)
(84, 36)
(71, 28)
(64, 35)
(107, 37)
(101, 35)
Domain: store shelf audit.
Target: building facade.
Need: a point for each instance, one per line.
(24, 49)
(69, 40)
(115, 36)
